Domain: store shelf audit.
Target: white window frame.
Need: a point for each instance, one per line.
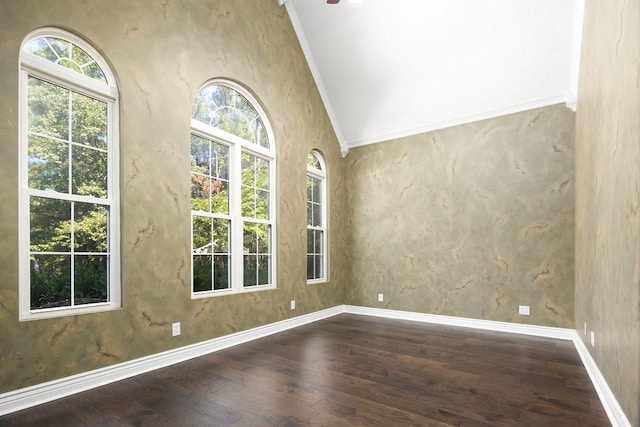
(321, 175)
(238, 146)
(34, 66)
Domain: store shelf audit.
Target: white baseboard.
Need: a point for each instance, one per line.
(518, 328)
(41, 393)
(607, 398)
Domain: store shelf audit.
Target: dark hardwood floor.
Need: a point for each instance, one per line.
(350, 370)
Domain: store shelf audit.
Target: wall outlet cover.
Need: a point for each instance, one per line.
(175, 329)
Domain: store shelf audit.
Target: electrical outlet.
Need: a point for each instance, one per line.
(293, 304)
(175, 329)
(593, 339)
(380, 297)
(523, 310)
(585, 329)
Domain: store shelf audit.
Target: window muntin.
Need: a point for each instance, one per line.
(224, 107)
(68, 168)
(232, 196)
(66, 54)
(317, 259)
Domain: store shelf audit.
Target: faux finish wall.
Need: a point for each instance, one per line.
(608, 195)
(469, 221)
(162, 52)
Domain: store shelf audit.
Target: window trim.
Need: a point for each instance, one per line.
(322, 175)
(33, 66)
(237, 146)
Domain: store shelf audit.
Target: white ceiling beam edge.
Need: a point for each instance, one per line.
(576, 48)
(306, 49)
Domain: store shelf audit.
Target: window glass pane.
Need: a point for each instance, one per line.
(48, 163)
(250, 270)
(250, 238)
(202, 270)
(50, 281)
(248, 186)
(202, 235)
(90, 228)
(48, 109)
(319, 249)
(317, 191)
(255, 187)
(221, 272)
(66, 54)
(40, 47)
(262, 174)
(220, 161)
(311, 273)
(264, 269)
(200, 187)
(319, 273)
(200, 155)
(210, 176)
(262, 204)
(221, 228)
(309, 188)
(219, 196)
(50, 225)
(311, 241)
(248, 202)
(317, 215)
(313, 162)
(89, 171)
(91, 279)
(263, 237)
(225, 108)
(89, 121)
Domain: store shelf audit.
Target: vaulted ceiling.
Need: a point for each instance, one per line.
(392, 68)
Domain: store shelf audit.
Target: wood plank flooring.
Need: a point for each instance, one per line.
(350, 370)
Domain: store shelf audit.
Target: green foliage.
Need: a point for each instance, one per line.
(67, 55)
(65, 125)
(226, 109)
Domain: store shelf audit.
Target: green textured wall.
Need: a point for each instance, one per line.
(608, 195)
(162, 52)
(468, 221)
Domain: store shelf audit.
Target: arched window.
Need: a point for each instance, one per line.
(317, 259)
(69, 178)
(232, 192)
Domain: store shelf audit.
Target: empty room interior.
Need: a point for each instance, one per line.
(182, 178)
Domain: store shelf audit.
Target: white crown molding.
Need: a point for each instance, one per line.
(559, 99)
(41, 393)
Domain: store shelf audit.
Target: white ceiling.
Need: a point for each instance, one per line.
(392, 68)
